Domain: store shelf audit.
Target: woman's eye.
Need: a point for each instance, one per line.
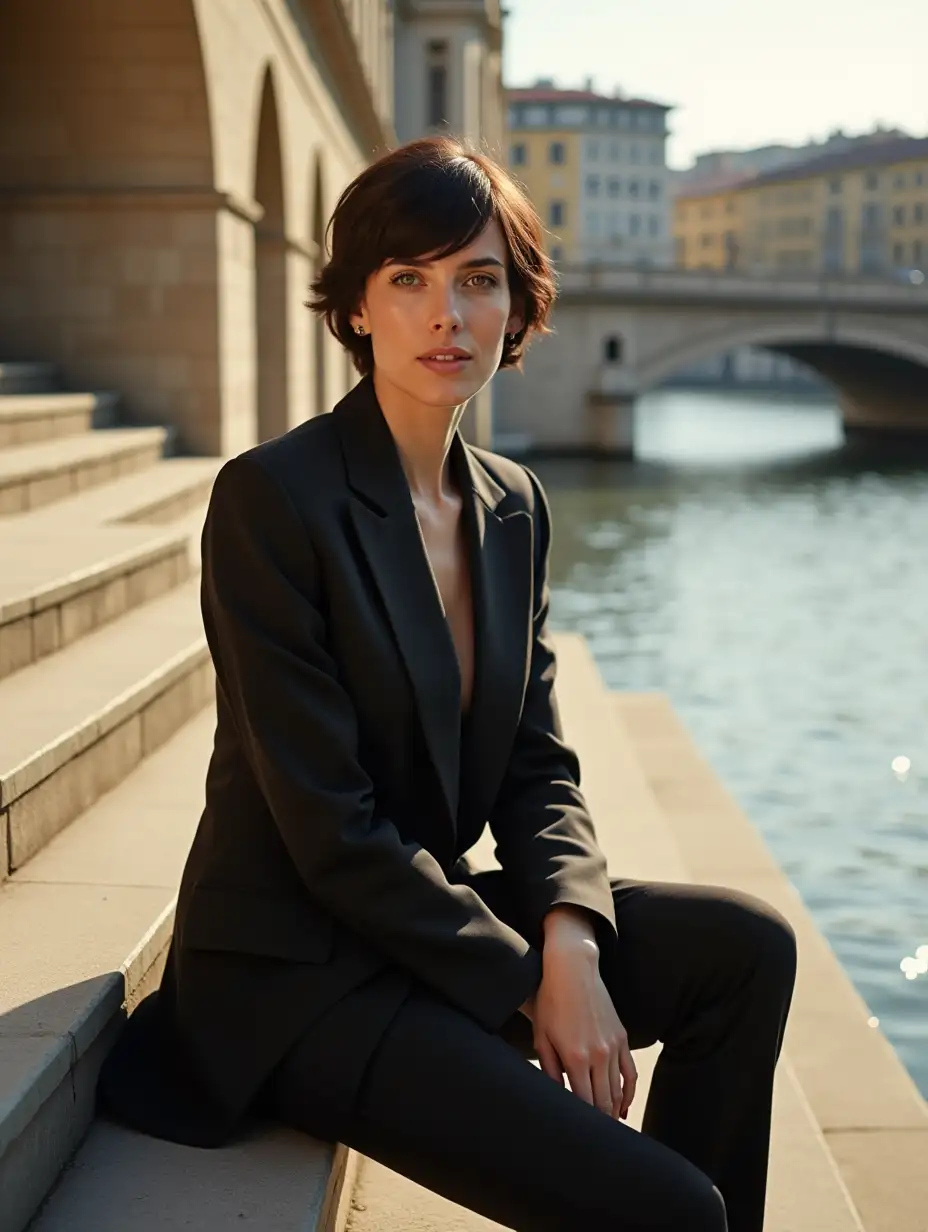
(489, 280)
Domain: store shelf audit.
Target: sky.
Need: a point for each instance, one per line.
(739, 73)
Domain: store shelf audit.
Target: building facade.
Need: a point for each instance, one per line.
(595, 167)
(859, 211)
(167, 171)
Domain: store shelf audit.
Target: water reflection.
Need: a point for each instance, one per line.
(773, 583)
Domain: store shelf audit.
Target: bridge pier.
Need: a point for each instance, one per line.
(610, 425)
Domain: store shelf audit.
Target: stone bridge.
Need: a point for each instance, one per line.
(620, 332)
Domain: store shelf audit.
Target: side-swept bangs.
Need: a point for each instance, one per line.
(431, 197)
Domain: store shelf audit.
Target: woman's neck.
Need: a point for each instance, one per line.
(423, 436)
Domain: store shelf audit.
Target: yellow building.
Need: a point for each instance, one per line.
(860, 211)
(595, 166)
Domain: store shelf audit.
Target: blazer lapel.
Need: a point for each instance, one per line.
(384, 517)
(501, 560)
(500, 555)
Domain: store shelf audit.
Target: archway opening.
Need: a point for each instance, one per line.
(272, 393)
(107, 242)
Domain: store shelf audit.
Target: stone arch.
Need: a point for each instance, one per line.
(317, 225)
(272, 384)
(103, 95)
(108, 207)
(802, 340)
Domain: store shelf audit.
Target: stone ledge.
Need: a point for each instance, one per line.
(857, 1088)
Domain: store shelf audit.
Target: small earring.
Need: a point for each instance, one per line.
(359, 329)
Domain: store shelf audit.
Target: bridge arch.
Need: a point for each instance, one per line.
(801, 340)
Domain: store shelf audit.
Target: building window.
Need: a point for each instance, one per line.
(917, 251)
(634, 152)
(634, 224)
(592, 150)
(656, 156)
(899, 253)
(872, 180)
(615, 186)
(615, 151)
(706, 240)
(518, 155)
(556, 153)
(918, 213)
(919, 178)
(633, 188)
(557, 212)
(899, 216)
(437, 83)
(592, 185)
(612, 350)
(557, 253)
(654, 190)
(535, 117)
(654, 225)
(899, 181)
(834, 186)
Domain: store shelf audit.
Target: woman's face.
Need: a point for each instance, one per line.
(411, 309)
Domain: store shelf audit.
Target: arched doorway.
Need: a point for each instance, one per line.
(107, 212)
(272, 392)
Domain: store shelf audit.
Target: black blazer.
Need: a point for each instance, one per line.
(329, 852)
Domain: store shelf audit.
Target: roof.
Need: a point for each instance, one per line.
(879, 153)
(548, 94)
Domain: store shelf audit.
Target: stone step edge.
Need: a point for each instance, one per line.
(54, 404)
(180, 483)
(124, 441)
(99, 1019)
(116, 990)
(93, 576)
(43, 763)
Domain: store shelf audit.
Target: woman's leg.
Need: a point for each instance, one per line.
(709, 972)
(460, 1111)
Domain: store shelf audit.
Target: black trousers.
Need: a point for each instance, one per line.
(706, 970)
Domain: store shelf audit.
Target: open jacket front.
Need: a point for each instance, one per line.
(329, 853)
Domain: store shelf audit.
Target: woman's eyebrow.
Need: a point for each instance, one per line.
(421, 261)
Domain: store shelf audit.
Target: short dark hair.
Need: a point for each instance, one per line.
(431, 196)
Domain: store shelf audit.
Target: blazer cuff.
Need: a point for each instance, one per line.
(500, 1003)
(598, 903)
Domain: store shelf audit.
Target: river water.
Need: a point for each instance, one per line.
(773, 582)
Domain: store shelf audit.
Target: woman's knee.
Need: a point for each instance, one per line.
(772, 940)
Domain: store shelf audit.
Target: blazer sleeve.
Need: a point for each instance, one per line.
(262, 612)
(544, 834)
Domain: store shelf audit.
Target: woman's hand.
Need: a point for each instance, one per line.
(576, 1028)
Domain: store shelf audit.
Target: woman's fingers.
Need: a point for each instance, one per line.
(601, 1077)
(550, 1061)
(629, 1077)
(615, 1083)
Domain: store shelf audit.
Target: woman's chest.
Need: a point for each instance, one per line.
(445, 548)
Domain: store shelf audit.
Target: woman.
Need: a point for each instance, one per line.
(375, 596)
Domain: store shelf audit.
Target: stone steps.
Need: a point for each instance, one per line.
(28, 418)
(88, 715)
(60, 581)
(37, 474)
(26, 378)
